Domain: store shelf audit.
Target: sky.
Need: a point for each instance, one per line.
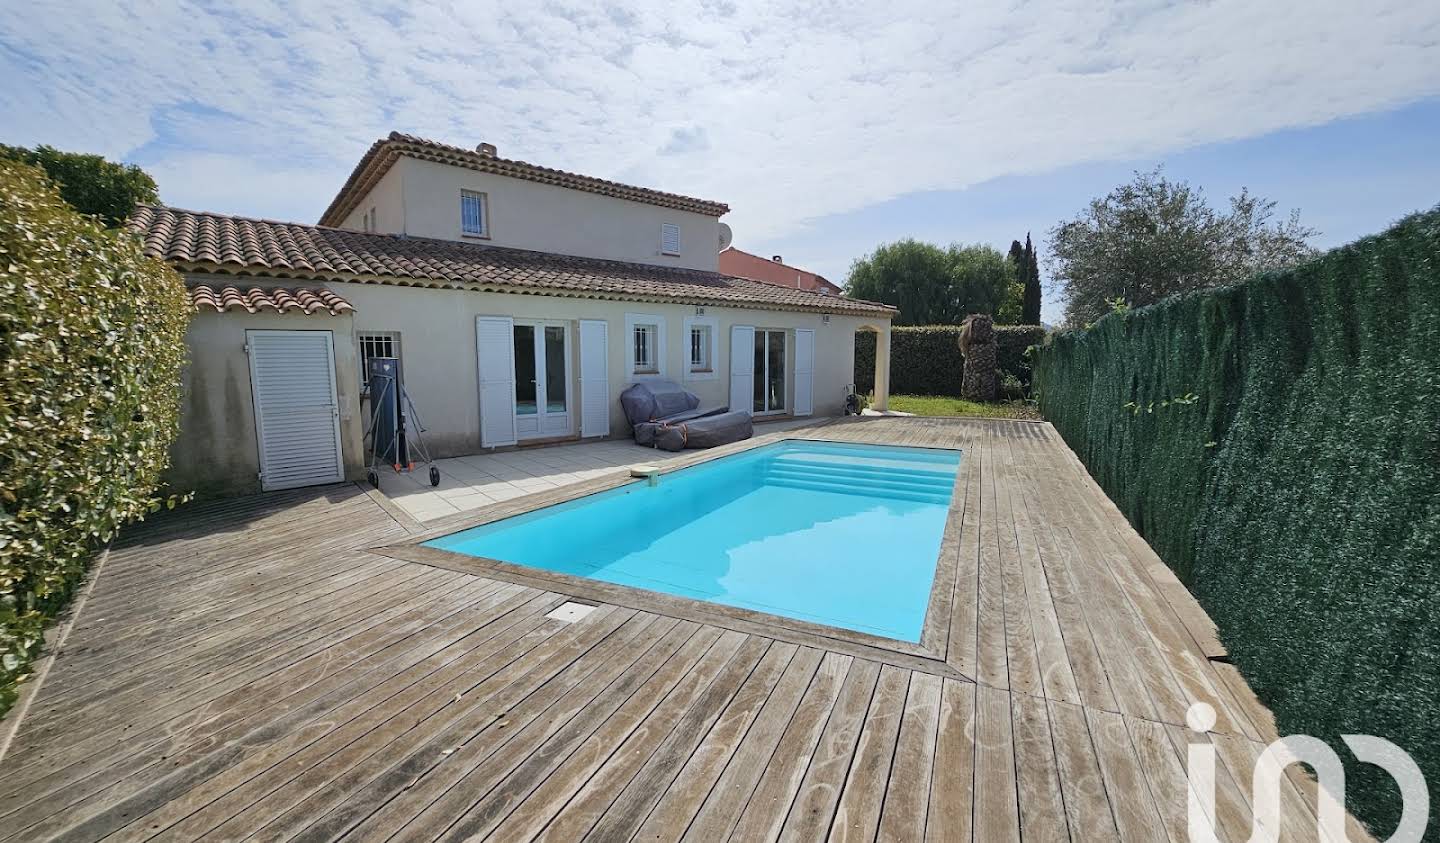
(829, 127)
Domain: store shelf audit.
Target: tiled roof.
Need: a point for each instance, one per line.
(257, 299)
(384, 152)
(201, 242)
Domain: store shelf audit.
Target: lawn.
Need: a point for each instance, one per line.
(941, 405)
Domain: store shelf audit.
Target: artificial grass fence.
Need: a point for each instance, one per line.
(1294, 485)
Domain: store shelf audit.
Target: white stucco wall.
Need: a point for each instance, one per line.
(437, 337)
(422, 199)
(389, 203)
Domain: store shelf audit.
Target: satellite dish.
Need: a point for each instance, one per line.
(726, 236)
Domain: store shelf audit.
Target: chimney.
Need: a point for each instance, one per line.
(777, 259)
(486, 149)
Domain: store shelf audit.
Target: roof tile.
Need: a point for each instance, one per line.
(277, 299)
(383, 153)
(202, 242)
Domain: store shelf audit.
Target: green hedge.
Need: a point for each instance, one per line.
(926, 360)
(91, 347)
(1298, 492)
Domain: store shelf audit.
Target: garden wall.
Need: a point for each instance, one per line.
(1295, 487)
(926, 360)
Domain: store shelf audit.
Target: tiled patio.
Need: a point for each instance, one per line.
(479, 480)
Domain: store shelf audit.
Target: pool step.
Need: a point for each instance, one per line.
(861, 479)
(892, 494)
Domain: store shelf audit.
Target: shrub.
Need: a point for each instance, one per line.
(926, 360)
(91, 347)
(1295, 484)
(89, 183)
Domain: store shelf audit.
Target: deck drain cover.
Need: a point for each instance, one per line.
(570, 612)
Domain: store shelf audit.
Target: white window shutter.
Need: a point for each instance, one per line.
(495, 351)
(742, 368)
(670, 239)
(594, 378)
(297, 417)
(804, 372)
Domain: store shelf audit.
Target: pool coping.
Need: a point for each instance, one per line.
(929, 653)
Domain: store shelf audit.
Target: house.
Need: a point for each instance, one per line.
(741, 264)
(520, 300)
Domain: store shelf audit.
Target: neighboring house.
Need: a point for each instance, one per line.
(520, 301)
(773, 271)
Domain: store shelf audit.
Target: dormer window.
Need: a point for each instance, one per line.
(474, 214)
(669, 239)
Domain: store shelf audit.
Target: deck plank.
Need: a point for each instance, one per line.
(276, 668)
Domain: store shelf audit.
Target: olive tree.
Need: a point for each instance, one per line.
(1154, 237)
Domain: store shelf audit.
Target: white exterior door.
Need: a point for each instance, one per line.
(542, 378)
(594, 378)
(297, 416)
(804, 372)
(494, 349)
(742, 368)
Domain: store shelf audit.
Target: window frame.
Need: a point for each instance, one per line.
(363, 357)
(483, 199)
(634, 321)
(664, 227)
(711, 325)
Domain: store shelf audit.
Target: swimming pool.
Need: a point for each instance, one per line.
(836, 534)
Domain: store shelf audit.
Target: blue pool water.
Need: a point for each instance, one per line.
(837, 534)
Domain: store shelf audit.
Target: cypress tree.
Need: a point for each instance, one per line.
(1030, 314)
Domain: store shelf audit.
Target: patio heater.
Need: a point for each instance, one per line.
(395, 432)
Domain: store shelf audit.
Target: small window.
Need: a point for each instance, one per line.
(644, 347)
(376, 344)
(474, 215)
(700, 348)
(669, 239)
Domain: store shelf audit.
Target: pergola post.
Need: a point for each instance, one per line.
(882, 368)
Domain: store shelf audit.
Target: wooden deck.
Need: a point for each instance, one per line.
(280, 667)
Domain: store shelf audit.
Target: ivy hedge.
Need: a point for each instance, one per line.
(91, 348)
(1295, 484)
(926, 360)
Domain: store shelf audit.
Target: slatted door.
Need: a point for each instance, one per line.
(804, 372)
(495, 351)
(297, 416)
(594, 378)
(742, 368)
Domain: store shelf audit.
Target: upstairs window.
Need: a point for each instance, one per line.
(474, 215)
(669, 239)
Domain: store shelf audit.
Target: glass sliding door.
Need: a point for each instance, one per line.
(769, 372)
(542, 379)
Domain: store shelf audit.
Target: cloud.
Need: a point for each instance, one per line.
(790, 111)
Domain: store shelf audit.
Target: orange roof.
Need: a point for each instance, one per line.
(279, 299)
(214, 243)
(383, 154)
(742, 264)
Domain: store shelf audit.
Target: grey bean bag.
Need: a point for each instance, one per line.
(706, 432)
(653, 406)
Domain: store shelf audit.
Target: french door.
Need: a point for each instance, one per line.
(542, 378)
(769, 386)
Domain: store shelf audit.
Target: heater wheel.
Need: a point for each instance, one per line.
(373, 478)
(434, 476)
